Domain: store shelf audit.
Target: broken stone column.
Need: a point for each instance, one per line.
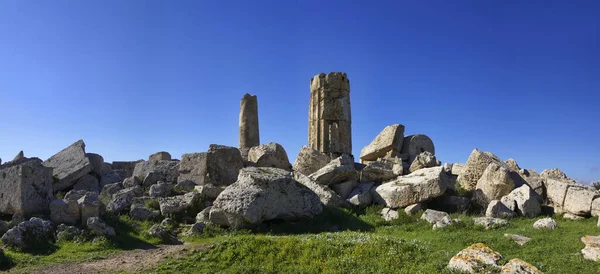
(248, 124)
(329, 123)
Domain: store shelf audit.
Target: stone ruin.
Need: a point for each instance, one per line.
(243, 187)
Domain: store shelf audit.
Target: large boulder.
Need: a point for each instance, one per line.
(414, 145)
(97, 162)
(475, 167)
(165, 171)
(495, 182)
(327, 196)
(269, 155)
(99, 227)
(389, 139)
(416, 187)
(523, 201)
(578, 199)
(361, 196)
(381, 171)
(339, 170)
(161, 189)
(262, 194)
(556, 174)
(123, 199)
(188, 204)
(534, 180)
(69, 165)
(310, 160)
(64, 212)
(141, 213)
(113, 176)
(126, 166)
(545, 223)
(219, 166)
(591, 251)
(423, 160)
(88, 182)
(159, 156)
(556, 191)
(90, 206)
(108, 191)
(343, 189)
(497, 209)
(28, 233)
(25, 188)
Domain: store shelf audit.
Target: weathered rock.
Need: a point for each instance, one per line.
(68, 233)
(126, 166)
(108, 191)
(189, 204)
(518, 266)
(161, 189)
(591, 251)
(438, 219)
(219, 166)
(158, 232)
(519, 239)
(209, 192)
(578, 199)
(556, 174)
(534, 180)
(74, 195)
(159, 156)
(413, 209)
(495, 182)
(329, 124)
(457, 169)
(90, 206)
(448, 168)
(197, 228)
(490, 222)
(573, 217)
(141, 213)
(69, 165)
(166, 171)
(263, 194)
(343, 189)
(113, 176)
(414, 145)
(204, 215)
(87, 182)
(64, 212)
(269, 155)
(3, 227)
(123, 199)
(249, 134)
(99, 227)
(381, 171)
(389, 139)
(193, 168)
(522, 200)
(184, 187)
(339, 170)
(545, 223)
(361, 195)
(512, 164)
(28, 233)
(474, 259)
(417, 187)
(16, 219)
(168, 223)
(310, 160)
(556, 191)
(97, 162)
(497, 209)
(132, 182)
(423, 160)
(25, 188)
(389, 214)
(474, 168)
(327, 196)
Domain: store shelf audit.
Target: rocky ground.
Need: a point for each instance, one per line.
(74, 196)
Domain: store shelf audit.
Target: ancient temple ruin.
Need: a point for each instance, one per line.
(248, 124)
(329, 124)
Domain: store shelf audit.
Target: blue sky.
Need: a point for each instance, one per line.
(518, 78)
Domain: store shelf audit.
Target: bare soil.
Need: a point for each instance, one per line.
(133, 261)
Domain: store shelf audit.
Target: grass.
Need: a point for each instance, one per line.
(132, 234)
(363, 243)
(369, 244)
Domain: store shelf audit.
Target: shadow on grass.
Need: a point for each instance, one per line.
(331, 220)
(125, 238)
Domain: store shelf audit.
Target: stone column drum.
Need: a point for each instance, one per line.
(329, 123)
(248, 124)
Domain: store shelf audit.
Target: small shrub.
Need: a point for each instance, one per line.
(152, 204)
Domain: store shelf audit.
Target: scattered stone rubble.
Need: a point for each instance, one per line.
(246, 186)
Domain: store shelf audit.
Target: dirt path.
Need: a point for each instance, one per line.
(133, 261)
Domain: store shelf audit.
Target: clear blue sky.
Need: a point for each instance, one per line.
(518, 78)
